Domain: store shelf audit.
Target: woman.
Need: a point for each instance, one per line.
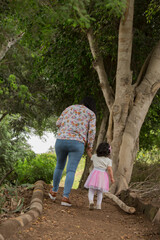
(77, 128)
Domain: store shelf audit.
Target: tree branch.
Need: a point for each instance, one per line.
(3, 115)
(6, 175)
(143, 70)
(99, 67)
(109, 134)
(121, 204)
(5, 47)
(124, 74)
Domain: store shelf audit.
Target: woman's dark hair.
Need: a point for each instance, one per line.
(89, 102)
(103, 150)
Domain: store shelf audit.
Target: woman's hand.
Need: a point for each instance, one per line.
(89, 152)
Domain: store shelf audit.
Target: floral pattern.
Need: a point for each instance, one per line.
(77, 122)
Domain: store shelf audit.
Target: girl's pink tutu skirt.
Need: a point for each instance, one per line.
(98, 179)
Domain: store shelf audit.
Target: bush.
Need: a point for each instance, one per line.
(13, 144)
(149, 156)
(39, 168)
(147, 166)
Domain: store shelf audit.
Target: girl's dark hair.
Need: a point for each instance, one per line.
(89, 102)
(103, 150)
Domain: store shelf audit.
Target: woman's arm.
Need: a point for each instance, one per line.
(60, 119)
(91, 132)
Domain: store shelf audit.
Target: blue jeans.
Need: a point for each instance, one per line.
(74, 150)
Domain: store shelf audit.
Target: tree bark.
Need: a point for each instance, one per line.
(102, 131)
(130, 104)
(145, 93)
(121, 204)
(99, 67)
(85, 173)
(109, 135)
(124, 89)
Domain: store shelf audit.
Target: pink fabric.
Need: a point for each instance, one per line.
(98, 179)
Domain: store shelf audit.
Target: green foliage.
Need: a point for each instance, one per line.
(9, 26)
(51, 66)
(80, 16)
(153, 9)
(2, 199)
(21, 88)
(147, 166)
(146, 35)
(10, 198)
(39, 168)
(116, 7)
(79, 13)
(9, 192)
(13, 145)
(150, 131)
(79, 173)
(11, 90)
(149, 156)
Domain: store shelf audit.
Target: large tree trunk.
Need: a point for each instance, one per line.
(124, 89)
(130, 104)
(119, 104)
(144, 94)
(128, 107)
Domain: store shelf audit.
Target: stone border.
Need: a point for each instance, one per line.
(150, 211)
(9, 227)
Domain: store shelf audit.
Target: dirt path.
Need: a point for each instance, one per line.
(79, 223)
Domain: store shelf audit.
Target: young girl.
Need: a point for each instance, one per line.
(98, 180)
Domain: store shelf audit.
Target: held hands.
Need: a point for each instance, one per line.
(89, 152)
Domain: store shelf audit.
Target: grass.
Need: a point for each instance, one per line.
(78, 174)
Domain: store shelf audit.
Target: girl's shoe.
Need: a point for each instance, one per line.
(98, 207)
(91, 205)
(52, 195)
(65, 202)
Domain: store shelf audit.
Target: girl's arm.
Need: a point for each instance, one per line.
(110, 172)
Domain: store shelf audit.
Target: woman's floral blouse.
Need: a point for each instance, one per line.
(77, 122)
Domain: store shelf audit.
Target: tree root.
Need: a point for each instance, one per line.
(121, 204)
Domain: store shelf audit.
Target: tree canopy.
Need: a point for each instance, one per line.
(52, 61)
(46, 61)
